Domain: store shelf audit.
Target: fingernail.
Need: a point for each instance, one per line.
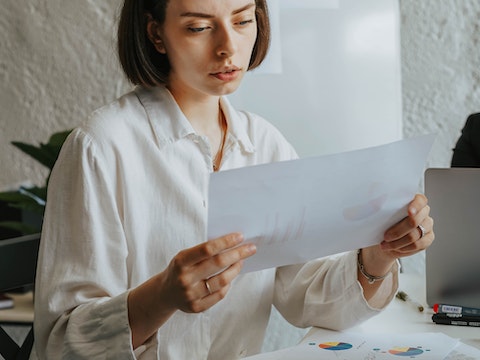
(252, 248)
(238, 237)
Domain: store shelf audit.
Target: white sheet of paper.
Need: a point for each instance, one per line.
(299, 210)
(464, 352)
(356, 346)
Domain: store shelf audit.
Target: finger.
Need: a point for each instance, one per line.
(417, 204)
(218, 271)
(190, 279)
(187, 294)
(421, 231)
(207, 302)
(224, 260)
(208, 249)
(412, 237)
(214, 289)
(222, 279)
(415, 247)
(207, 286)
(407, 224)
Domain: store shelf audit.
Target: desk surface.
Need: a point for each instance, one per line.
(22, 311)
(404, 317)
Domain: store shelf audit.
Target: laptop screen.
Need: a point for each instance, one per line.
(453, 261)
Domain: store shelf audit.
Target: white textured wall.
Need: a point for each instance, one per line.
(440, 70)
(57, 64)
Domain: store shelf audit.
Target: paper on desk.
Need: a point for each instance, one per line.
(295, 211)
(464, 352)
(358, 346)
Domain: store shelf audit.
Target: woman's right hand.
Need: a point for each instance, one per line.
(199, 277)
(196, 279)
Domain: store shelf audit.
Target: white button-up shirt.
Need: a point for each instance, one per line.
(128, 192)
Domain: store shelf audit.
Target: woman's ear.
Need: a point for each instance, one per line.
(154, 34)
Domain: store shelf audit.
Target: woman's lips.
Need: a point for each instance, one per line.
(228, 75)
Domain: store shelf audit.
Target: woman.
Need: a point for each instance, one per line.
(125, 270)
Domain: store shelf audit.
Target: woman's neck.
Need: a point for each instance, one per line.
(202, 111)
(207, 119)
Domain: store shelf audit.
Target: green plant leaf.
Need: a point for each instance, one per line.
(25, 199)
(23, 194)
(57, 139)
(13, 196)
(39, 194)
(46, 154)
(19, 226)
(32, 207)
(33, 199)
(35, 152)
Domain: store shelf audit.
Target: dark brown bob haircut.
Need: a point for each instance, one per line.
(143, 64)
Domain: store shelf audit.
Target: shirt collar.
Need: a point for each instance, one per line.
(165, 116)
(236, 125)
(170, 124)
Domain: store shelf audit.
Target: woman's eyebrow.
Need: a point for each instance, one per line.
(243, 8)
(208, 16)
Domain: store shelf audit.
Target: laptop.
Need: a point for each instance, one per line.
(453, 260)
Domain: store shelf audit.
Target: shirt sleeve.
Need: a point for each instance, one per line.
(81, 284)
(326, 293)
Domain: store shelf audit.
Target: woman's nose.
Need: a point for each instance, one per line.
(226, 42)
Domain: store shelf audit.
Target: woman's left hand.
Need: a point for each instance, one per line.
(413, 233)
(409, 236)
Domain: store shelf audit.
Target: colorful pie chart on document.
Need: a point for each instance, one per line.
(335, 346)
(405, 351)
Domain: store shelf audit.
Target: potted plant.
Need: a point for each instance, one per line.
(26, 205)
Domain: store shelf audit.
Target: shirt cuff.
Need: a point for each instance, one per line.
(387, 289)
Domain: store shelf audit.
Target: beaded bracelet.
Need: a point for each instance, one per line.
(371, 278)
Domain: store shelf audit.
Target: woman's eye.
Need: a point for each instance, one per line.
(197, 29)
(245, 22)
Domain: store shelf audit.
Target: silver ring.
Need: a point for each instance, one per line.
(208, 287)
(422, 231)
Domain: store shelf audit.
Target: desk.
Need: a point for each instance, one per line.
(18, 320)
(22, 312)
(404, 317)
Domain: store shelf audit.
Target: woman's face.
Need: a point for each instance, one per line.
(209, 44)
